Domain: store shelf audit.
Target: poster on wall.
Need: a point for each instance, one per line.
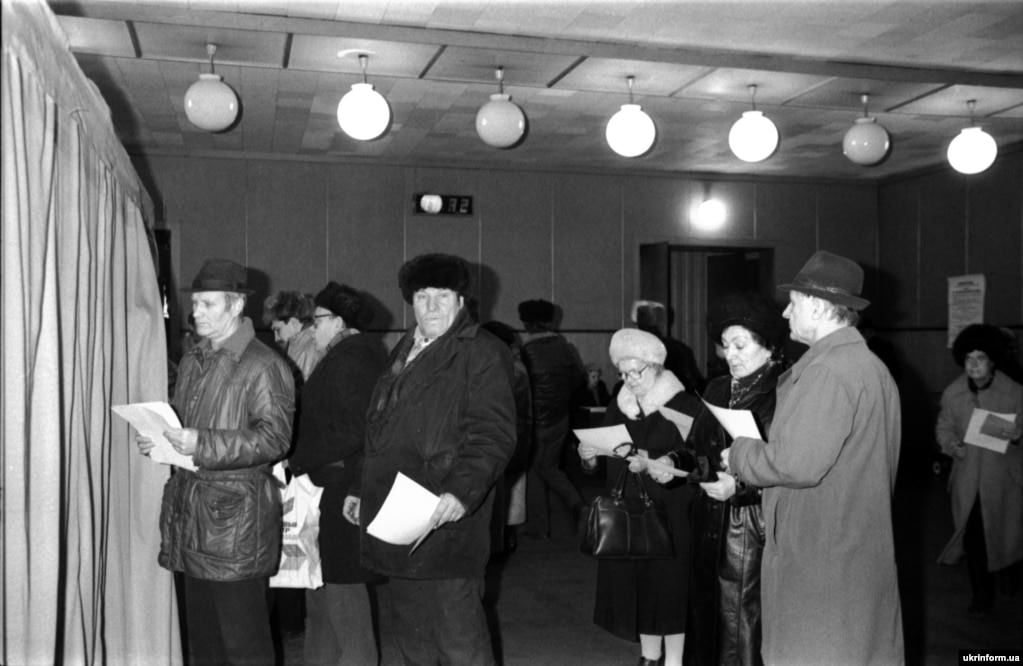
(965, 303)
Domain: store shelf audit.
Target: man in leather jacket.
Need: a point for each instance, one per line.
(220, 525)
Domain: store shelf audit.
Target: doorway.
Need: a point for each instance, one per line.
(688, 279)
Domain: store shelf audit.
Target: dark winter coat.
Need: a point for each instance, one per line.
(555, 377)
(724, 599)
(649, 596)
(223, 522)
(332, 435)
(447, 421)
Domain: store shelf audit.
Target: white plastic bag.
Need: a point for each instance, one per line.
(300, 552)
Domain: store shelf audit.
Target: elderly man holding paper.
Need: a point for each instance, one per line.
(986, 484)
(443, 415)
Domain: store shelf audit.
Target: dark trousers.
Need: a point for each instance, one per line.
(546, 477)
(440, 621)
(228, 623)
(982, 581)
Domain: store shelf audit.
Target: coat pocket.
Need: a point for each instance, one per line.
(220, 514)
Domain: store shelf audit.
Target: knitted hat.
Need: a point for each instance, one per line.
(633, 343)
(831, 277)
(220, 275)
(537, 311)
(754, 312)
(440, 271)
(979, 337)
(344, 302)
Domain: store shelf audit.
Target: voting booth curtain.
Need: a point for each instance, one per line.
(82, 329)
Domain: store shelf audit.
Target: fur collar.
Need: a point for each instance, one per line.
(665, 387)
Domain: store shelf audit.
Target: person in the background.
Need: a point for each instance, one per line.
(290, 315)
(332, 432)
(645, 599)
(986, 487)
(510, 498)
(443, 414)
(829, 589)
(595, 393)
(220, 526)
(652, 317)
(728, 521)
(555, 376)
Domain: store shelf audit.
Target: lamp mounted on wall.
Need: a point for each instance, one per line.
(363, 113)
(973, 150)
(211, 104)
(866, 142)
(630, 132)
(753, 137)
(500, 122)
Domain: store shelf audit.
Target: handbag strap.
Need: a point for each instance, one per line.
(618, 491)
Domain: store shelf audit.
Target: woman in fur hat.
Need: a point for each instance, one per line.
(646, 599)
(986, 486)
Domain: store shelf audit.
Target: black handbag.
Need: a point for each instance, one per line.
(621, 527)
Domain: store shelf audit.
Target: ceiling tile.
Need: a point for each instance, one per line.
(100, 36)
(335, 54)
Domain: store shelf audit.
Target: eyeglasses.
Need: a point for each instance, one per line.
(634, 374)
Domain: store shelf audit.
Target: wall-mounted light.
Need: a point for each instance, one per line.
(973, 150)
(753, 137)
(630, 132)
(211, 104)
(709, 215)
(866, 142)
(363, 113)
(500, 122)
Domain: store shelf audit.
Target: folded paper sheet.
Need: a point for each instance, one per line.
(151, 419)
(981, 420)
(606, 439)
(736, 422)
(405, 514)
(683, 422)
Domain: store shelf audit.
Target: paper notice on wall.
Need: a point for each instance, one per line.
(965, 303)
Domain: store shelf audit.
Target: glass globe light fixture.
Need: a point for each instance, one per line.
(500, 122)
(709, 215)
(753, 137)
(630, 132)
(363, 113)
(973, 150)
(866, 142)
(211, 104)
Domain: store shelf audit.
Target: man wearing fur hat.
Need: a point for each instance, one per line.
(220, 526)
(828, 581)
(442, 414)
(555, 376)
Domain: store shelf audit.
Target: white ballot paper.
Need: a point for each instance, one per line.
(151, 419)
(405, 514)
(683, 422)
(605, 439)
(736, 422)
(977, 438)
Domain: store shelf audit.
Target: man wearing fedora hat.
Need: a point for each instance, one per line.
(220, 526)
(828, 581)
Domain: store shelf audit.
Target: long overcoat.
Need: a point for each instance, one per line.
(332, 434)
(447, 421)
(996, 477)
(829, 588)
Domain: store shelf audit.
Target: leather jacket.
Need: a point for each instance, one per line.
(223, 522)
(555, 375)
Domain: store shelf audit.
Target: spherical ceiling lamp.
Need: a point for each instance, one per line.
(630, 132)
(211, 104)
(753, 137)
(500, 122)
(866, 142)
(973, 150)
(363, 113)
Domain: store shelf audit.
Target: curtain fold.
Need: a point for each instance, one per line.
(82, 330)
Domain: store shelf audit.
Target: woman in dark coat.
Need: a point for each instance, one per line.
(646, 599)
(728, 523)
(339, 628)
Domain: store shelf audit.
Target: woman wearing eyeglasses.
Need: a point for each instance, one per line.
(646, 599)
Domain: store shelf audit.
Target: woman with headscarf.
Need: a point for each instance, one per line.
(646, 598)
(986, 486)
(728, 522)
(332, 428)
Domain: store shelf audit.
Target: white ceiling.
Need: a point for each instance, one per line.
(565, 63)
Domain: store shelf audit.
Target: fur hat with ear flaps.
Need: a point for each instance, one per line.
(440, 271)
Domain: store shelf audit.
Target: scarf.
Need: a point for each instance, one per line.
(665, 387)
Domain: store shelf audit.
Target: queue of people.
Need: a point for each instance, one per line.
(783, 542)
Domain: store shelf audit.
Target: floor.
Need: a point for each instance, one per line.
(540, 598)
